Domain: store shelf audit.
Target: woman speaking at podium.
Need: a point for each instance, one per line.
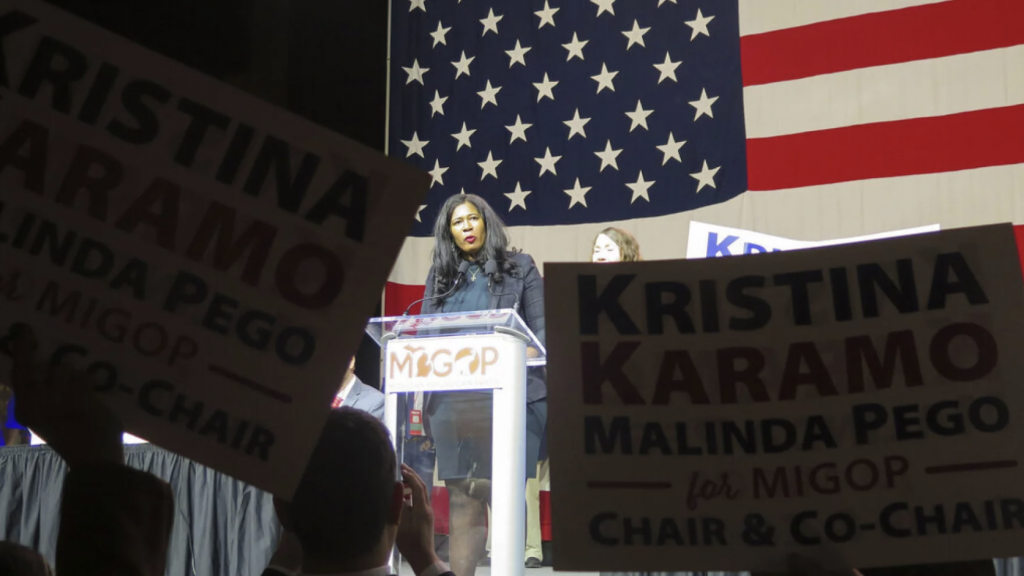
(475, 269)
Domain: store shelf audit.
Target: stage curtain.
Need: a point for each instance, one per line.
(223, 527)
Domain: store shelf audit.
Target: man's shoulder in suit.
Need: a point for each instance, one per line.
(366, 398)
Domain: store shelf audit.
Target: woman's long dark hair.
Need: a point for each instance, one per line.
(446, 255)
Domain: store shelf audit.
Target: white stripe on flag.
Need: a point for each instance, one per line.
(757, 16)
(937, 87)
(951, 199)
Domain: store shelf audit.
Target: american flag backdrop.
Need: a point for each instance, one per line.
(808, 119)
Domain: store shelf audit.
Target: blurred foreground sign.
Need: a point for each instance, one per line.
(860, 404)
(209, 258)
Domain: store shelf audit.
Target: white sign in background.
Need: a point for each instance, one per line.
(209, 258)
(860, 404)
(714, 241)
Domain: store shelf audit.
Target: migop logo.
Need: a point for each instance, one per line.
(418, 362)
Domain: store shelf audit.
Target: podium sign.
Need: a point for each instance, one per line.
(449, 364)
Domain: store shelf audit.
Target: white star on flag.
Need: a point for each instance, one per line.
(415, 146)
(489, 166)
(462, 66)
(703, 105)
(418, 210)
(437, 104)
(578, 194)
(608, 157)
(699, 25)
(437, 174)
(547, 163)
(547, 16)
(491, 22)
(414, 4)
(640, 188)
(706, 176)
(518, 197)
(575, 47)
(415, 73)
(517, 54)
(439, 35)
(639, 116)
(668, 69)
(544, 88)
(636, 35)
(602, 7)
(671, 150)
(489, 95)
(463, 137)
(604, 79)
(518, 130)
(576, 125)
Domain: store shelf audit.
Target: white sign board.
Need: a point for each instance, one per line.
(859, 403)
(714, 241)
(209, 258)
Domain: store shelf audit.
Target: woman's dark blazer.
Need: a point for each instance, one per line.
(527, 283)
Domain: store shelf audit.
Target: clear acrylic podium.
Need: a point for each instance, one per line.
(469, 351)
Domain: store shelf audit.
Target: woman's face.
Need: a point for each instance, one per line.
(606, 250)
(467, 227)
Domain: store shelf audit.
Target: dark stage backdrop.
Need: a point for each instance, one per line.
(222, 527)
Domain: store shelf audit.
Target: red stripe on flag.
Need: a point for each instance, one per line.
(1018, 232)
(398, 296)
(881, 38)
(887, 149)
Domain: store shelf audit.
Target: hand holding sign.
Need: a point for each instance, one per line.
(59, 404)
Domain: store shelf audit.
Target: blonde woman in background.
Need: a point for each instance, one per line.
(615, 245)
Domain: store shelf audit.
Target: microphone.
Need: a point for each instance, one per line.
(490, 269)
(458, 278)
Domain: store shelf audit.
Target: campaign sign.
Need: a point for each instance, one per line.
(209, 259)
(714, 241)
(859, 404)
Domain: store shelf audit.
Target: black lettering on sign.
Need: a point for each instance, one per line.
(202, 119)
(674, 308)
(800, 294)
(760, 311)
(94, 172)
(35, 140)
(594, 373)
(346, 199)
(592, 304)
(135, 97)
(58, 64)
(963, 282)
(99, 91)
(276, 154)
